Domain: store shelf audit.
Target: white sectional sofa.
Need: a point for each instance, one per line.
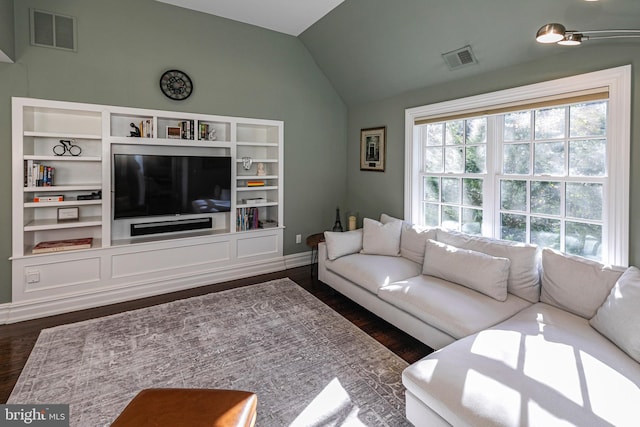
(523, 337)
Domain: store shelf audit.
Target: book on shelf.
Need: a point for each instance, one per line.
(38, 175)
(146, 128)
(186, 129)
(62, 245)
(255, 183)
(247, 219)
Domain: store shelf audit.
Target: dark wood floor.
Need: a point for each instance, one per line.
(17, 340)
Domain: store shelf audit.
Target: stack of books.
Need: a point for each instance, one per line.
(62, 245)
(38, 175)
(255, 183)
(247, 219)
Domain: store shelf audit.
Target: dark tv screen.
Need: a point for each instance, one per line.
(154, 185)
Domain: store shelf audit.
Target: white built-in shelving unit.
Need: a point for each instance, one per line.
(119, 266)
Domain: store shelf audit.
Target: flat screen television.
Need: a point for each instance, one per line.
(161, 185)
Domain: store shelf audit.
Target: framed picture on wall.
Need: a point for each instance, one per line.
(373, 147)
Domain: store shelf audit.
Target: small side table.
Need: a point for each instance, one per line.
(313, 241)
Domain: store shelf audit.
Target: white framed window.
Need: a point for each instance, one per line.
(546, 163)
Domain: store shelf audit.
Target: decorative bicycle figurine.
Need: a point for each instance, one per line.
(67, 146)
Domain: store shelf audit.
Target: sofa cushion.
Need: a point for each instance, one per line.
(453, 309)
(542, 367)
(475, 270)
(524, 275)
(413, 238)
(373, 271)
(341, 244)
(381, 239)
(574, 283)
(619, 317)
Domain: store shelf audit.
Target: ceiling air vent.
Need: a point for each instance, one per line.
(53, 30)
(459, 58)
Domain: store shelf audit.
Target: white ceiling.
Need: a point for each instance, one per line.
(286, 16)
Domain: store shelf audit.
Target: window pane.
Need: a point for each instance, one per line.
(433, 159)
(476, 161)
(545, 232)
(587, 158)
(455, 133)
(434, 133)
(513, 195)
(545, 197)
(477, 131)
(549, 158)
(550, 123)
(431, 214)
(454, 159)
(513, 227)
(451, 217)
(517, 126)
(472, 221)
(451, 190)
(588, 119)
(584, 200)
(431, 189)
(583, 239)
(472, 192)
(516, 159)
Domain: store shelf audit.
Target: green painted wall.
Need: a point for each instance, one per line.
(237, 69)
(373, 193)
(6, 28)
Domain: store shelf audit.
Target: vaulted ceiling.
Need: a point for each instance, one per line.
(373, 49)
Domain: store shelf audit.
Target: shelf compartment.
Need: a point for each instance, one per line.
(63, 188)
(63, 158)
(62, 204)
(54, 224)
(257, 133)
(176, 128)
(121, 125)
(264, 188)
(59, 122)
(210, 130)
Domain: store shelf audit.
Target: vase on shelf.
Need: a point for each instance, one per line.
(338, 225)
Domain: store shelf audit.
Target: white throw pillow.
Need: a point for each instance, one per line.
(575, 284)
(475, 270)
(524, 276)
(341, 244)
(618, 318)
(381, 239)
(413, 240)
(384, 218)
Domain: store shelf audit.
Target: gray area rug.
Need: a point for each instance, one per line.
(308, 365)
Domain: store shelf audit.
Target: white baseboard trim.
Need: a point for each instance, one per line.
(27, 310)
(4, 313)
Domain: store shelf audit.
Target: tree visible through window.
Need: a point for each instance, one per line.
(550, 175)
(547, 163)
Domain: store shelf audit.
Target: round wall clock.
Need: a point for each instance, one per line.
(175, 84)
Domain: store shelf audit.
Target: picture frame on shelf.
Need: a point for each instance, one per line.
(68, 214)
(373, 149)
(174, 132)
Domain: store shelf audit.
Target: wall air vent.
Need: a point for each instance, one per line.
(53, 30)
(459, 58)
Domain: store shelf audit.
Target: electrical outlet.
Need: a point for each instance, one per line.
(33, 276)
(298, 238)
